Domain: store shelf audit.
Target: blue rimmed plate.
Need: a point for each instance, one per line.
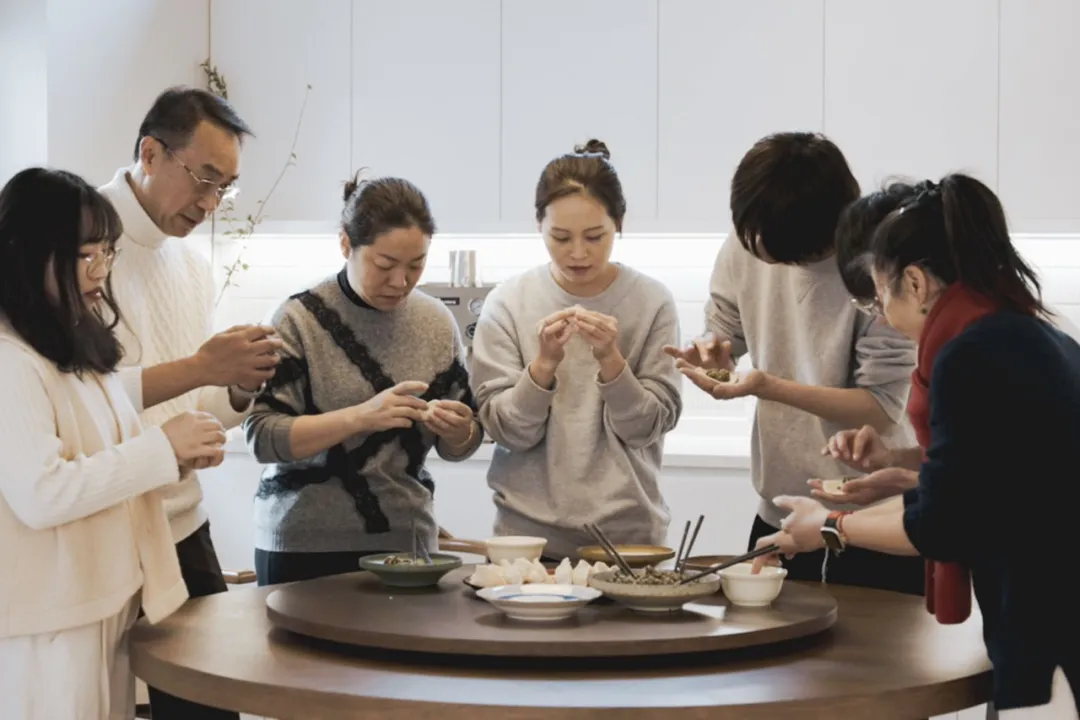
(539, 601)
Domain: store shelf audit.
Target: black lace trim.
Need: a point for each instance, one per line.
(348, 466)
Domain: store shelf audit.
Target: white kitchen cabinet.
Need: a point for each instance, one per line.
(730, 73)
(911, 88)
(425, 102)
(574, 70)
(1040, 102)
(269, 52)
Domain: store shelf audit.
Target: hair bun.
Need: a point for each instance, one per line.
(358, 181)
(593, 147)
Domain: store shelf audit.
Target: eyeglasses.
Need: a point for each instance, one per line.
(204, 187)
(871, 307)
(100, 259)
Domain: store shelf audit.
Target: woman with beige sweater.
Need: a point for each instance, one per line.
(83, 528)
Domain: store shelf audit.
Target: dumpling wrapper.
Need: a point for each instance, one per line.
(488, 576)
(540, 323)
(564, 573)
(598, 567)
(426, 414)
(580, 575)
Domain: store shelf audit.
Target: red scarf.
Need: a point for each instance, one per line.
(948, 585)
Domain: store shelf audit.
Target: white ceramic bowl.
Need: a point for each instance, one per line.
(654, 598)
(746, 590)
(538, 602)
(512, 547)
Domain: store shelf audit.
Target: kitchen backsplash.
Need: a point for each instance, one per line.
(279, 265)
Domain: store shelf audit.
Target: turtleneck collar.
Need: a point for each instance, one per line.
(352, 295)
(137, 224)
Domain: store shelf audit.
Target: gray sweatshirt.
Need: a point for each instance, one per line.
(361, 495)
(799, 323)
(584, 451)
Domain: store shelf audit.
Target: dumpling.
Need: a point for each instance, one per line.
(598, 567)
(539, 567)
(564, 573)
(487, 576)
(537, 573)
(523, 566)
(580, 576)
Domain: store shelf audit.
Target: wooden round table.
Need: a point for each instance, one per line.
(884, 658)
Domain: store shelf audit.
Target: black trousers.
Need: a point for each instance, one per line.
(202, 575)
(273, 567)
(854, 566)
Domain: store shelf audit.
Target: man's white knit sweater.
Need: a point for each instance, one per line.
(165, 291)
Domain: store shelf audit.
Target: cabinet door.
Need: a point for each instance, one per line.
(574, 70)
(269, 52)
(1040, 103)
(730, 73)
(911, 87)
(425, 102)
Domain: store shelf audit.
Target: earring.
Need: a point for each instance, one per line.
(924, 310)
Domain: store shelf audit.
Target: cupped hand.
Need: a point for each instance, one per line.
(868, 489)
(450, 420)
(196, 437)
(600, 331)
(396, 407)
(742, 384)
(245, 356)
(555, 331)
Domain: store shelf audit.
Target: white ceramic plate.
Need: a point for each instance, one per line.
(539, 601)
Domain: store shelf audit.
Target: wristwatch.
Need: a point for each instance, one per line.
(832, 531)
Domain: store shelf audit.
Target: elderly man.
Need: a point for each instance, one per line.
(186, 162)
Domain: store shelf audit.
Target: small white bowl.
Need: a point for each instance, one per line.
(539, 602)
(746, 590)
(512, 547)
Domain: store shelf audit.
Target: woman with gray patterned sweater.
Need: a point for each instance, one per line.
(372, 377)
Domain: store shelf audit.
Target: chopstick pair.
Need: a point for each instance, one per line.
(680, 557)
(594, 530)
(767, 550)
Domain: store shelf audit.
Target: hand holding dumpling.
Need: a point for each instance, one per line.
(555, 331)
(600, 331)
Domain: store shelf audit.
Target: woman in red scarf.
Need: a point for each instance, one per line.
(996, 400)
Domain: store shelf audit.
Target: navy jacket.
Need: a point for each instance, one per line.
(999, 492)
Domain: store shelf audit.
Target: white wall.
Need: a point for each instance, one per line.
(469, 98)
(23, 98)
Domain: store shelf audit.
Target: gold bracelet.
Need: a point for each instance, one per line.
(468, 440)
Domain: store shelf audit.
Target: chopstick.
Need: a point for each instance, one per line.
(682, 544)
(610, 550)
(690, 547)
(768, 549)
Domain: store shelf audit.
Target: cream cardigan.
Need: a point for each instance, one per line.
(82, 522)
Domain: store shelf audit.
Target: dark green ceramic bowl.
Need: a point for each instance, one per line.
(410, 576)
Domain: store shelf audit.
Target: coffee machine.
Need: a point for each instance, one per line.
(464, 294)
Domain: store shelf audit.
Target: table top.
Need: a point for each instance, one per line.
(885, 657)
(357, 609)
